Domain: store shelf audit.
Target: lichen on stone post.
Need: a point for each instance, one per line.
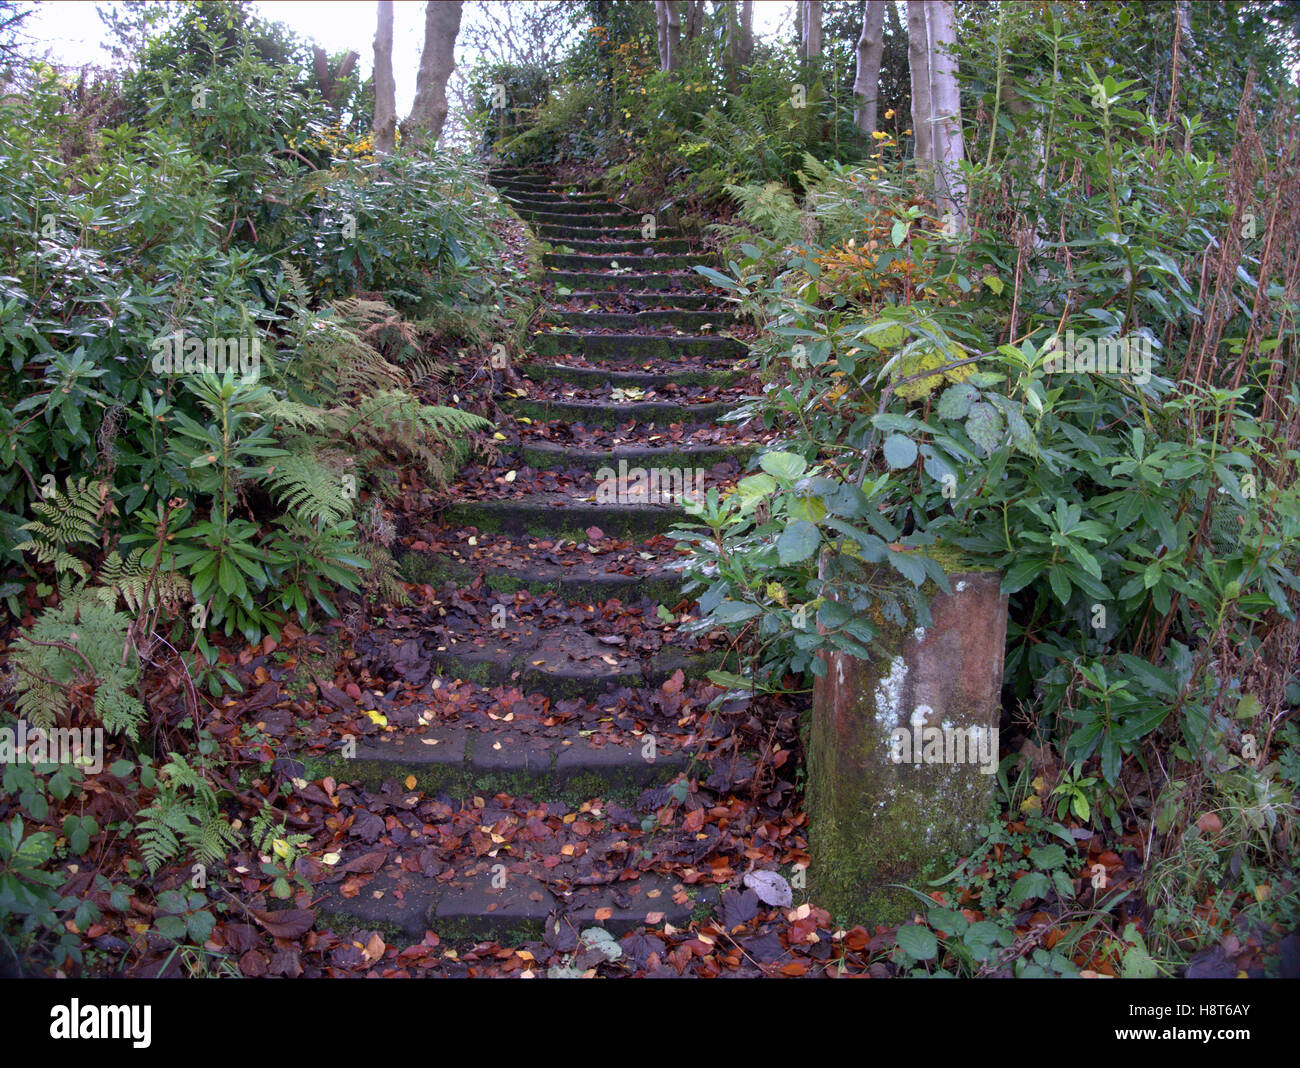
(903, 752)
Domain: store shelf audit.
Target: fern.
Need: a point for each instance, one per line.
(397, 425)
(139, 584)
(772, 208)
(69, 648)
(184, 816)
(70, 518)
(309, 486)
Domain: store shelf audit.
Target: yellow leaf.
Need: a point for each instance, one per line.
(330, 858)
(1032, 805)
(377, 718)
(409, 782)
(374, 949)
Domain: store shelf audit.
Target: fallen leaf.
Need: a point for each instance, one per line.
(772, 889)
(289, 923)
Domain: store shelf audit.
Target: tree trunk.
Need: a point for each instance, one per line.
(811, 11)
(384, 127)
(732, 59)
(437, 61)
(330, 83)
(661, 21)
(866, 85)
(746, 31)
(918, 60)
(674, 35)
(694, 18)
(945, 101)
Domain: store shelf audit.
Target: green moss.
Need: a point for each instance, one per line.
(343, 924)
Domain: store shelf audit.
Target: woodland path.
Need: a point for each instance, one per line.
(564, 706)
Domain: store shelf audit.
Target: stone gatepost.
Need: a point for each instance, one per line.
(903, 753)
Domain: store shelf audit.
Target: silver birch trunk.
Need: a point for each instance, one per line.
(384, 127)
(866, 83)
(437, 61)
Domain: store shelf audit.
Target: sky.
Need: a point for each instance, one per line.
(72, 31)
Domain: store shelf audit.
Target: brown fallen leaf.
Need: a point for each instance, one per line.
(374, 949)
(289, 923)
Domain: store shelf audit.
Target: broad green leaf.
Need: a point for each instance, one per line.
(900, 451)
(918, 942)
(984, 425)
(798, 541)
(784, 465)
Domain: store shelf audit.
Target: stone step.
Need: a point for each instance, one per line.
(549, 195)
(596, 377)
(518, 174)
(483, 899)
(631, 322)
(635, 262)
(578, 280)
(552, 456)
(555, 234)
(558, 206)
(637, 346)
(462, 763)
(593, 413)
(634, 245)
(564, 515)
(650, 299)
(573, 583)
(547, 666)
(620, 218)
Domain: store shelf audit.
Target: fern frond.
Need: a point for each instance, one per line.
(69, 518)
(139, 584)
(313, 489)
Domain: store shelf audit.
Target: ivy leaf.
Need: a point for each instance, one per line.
(900, 451)
(798, 541)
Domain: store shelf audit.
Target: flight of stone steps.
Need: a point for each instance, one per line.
(530, 808)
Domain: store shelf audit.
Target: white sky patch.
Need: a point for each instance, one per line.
(70, 32)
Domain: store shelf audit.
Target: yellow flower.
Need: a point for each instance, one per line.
(907, 133)
(889, 114)
(879, 135)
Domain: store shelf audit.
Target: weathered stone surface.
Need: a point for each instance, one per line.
(598, 413)
(874, 821)
(598, 376)
(637, 346)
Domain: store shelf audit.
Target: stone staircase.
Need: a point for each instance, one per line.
(532, 809)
